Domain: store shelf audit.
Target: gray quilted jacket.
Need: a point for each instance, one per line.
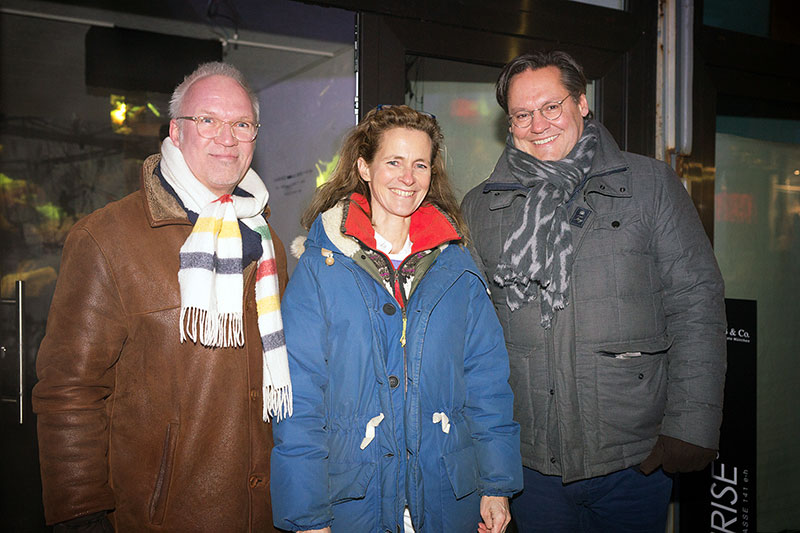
(640, 348)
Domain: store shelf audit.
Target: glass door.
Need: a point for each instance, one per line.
(67, 149)
(63, 153)
(449, 69)
(757, 243)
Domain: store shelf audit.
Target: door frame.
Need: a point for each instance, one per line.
(616, 48)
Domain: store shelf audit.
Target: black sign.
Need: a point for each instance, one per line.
(722, 498)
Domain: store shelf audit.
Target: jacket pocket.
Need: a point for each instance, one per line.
(462, 471)
(623, 350)
(348, 481)
(158, 503)
(631, 395)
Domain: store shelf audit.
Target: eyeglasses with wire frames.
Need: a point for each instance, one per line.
(550, 111)
(210, 128)
(381, 107)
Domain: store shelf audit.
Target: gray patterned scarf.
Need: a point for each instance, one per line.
(537, 256)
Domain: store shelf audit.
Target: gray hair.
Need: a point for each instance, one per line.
(205, 70)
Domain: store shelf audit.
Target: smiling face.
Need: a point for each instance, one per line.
(219, 163)
(547, 140)
(398, 176)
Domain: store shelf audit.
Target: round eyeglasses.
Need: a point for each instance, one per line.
(550, 111)
(210, 127)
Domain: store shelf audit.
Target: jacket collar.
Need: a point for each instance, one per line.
(161, 207)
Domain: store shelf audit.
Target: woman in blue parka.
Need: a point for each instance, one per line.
(402, 408)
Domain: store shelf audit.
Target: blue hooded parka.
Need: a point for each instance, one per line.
(394, 405)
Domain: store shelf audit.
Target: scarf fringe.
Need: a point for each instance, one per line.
(277, 402)
(222, 330)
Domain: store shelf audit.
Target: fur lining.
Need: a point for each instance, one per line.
(162, 205)
(298, 246)
(332, 221)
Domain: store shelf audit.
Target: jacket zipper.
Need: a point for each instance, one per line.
(398, 279)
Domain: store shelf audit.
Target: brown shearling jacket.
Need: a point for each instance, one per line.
(166, 435)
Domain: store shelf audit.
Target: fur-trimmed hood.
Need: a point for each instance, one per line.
(331, 221)
(348, 227)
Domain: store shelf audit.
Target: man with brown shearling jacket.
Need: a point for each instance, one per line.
(164, 348)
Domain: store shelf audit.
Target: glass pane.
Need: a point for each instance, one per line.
(67, 149)
(757, 243)
(613, 4)
(304, 118)
(462, 96)
(744, 16)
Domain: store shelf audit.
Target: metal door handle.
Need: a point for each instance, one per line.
(17, 301)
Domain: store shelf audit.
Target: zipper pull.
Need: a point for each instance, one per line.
(403, 336)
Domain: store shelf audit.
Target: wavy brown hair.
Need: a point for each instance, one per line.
(364, 141)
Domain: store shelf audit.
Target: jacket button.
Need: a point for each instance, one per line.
(389, 309)
(603, 187)
(641, 376)
(553, 460)
(615, 224)
(254, 394)
(622, 189)
(552, 392)
(393, 382)
(255, 481)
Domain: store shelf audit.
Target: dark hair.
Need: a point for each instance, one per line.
(571, 73)
(364, 141)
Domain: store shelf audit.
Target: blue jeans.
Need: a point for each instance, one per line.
(624, 501)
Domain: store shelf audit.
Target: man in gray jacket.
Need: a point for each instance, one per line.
(612, 306)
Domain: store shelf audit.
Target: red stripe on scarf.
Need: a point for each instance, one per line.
(266, 268)
(225, 199)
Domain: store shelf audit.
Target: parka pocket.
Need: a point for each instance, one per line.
(461, 467)
(348, 481)
(631, 393)
(158, 502)
(624, 350)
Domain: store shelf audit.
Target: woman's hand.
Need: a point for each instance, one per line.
(495, 513)
(323, 530)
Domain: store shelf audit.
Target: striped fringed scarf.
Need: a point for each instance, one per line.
(211, 280)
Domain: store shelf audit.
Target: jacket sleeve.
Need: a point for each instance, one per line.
(280, 261)
(299, 461)
(468, 208)
(489, 402)
(85, 333)
(694, 306)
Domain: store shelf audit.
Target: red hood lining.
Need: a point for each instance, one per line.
(429, 227)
